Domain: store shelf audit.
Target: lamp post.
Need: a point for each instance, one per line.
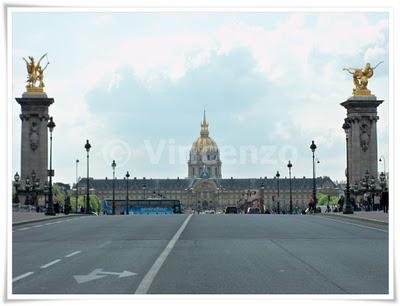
(277, 182)
(87, 206)
(76, 173)
(382, 158)
(262, 199)
(382, 178)
(289, 165)
(17, 183)
(313, 147)
(113, 165)
(348, 209)
(127, 192)
(144, 191)
(50, 207)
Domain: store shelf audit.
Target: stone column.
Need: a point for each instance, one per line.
(363, 142)
(34, 139)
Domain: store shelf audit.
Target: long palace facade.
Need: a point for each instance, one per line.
(205, 189)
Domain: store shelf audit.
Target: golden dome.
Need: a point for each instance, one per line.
(204, 143)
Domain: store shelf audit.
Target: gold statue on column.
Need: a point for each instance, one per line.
(360, 79)
(35, 74)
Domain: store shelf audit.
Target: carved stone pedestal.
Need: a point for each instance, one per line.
(34, 148)
(363, 144)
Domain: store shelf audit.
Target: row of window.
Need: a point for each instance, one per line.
(208, 171)
(199, 157)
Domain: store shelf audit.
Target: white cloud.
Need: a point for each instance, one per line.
(285, 55)
(374, 54)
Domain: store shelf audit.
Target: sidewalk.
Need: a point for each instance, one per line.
(22, 217)
(371, 216)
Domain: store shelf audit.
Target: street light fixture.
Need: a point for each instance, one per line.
(313, 147)
(77, 162)
(113, 165)
(289, 165)
(277, 182)
(348, 209)
(127, 192)
(50, 207)
(87, 206)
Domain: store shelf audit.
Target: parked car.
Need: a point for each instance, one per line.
(231, 210)
(254, 210)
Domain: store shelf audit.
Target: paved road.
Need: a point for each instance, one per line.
(268, 254)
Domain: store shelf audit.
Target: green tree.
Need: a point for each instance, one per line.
(58, 194)
(95, 202)
(324, 198)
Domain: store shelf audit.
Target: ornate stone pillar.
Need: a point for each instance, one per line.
(363, 142)
(34, 139)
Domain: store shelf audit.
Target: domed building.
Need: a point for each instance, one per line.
(204, 160)
(205, 189)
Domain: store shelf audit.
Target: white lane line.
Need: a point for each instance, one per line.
(37, 225)
(23, 229)
(50, 263)
(359, 225)
(145, 284)
(21, 276)
(72, 254)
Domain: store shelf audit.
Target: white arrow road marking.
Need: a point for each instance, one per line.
(87, 278)
(122, 274)
(22, 276)
(99, 273)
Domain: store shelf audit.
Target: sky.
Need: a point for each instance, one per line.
(136, 85)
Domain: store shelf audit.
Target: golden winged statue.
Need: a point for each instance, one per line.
(361, 77)
(35, 74)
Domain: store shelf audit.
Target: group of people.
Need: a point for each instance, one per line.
(368, 202)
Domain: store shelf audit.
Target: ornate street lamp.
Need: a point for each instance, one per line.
(262, 191)
(348, 209)
(87, 206)
(17, 183)
(313, 147)
(382, 178)
(76, 195)
(382, 158)
(50, 207)
(277, 182)
(289, 165)
(113, 165)
(127, 192)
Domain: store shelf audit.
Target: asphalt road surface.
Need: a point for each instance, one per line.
(267, 254)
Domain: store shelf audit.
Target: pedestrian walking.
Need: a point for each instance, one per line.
(376, 201)
(385, 200)
(341, 203)
(311, 204)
